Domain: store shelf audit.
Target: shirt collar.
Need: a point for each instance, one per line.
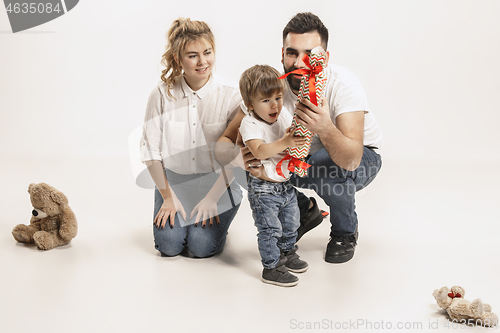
(201, 92)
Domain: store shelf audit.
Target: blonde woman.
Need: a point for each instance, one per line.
(186, 114)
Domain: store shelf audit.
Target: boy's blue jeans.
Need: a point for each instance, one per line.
(276, 215)
(337, 187)
(201, 242)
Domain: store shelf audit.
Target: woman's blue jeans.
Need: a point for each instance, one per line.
(337, 187)
(201, 242)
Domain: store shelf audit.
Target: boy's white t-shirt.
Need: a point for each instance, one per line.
(252, 128)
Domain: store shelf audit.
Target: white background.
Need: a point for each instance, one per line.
(74, 90)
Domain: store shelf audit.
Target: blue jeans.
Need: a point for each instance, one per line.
(276, 215)
(201, 242)
(337, 187)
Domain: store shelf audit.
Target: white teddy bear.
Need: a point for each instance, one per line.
(462, 310)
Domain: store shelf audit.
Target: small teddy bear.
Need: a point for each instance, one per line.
(52, 224)
(463, 311)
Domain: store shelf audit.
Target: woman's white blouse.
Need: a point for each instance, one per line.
(180, 131)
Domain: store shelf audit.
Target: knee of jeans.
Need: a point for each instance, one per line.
(201, 243)
(201, 251)
(168, 243)
(206, 248)
(170, 250)
(267, 232)
(198, 245)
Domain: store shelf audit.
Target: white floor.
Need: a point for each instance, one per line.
(422, 226)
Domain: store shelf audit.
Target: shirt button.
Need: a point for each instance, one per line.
(194, 106)
(193, 158)
(194, 124)
(193, 141)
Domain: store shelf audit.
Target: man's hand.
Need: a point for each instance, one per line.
(344, 140)
(314, 118)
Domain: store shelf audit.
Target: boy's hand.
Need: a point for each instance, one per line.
(293, 141)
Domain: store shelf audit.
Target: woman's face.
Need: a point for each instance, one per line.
(197, 61)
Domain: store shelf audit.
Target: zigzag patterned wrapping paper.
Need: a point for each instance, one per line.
(311, 88)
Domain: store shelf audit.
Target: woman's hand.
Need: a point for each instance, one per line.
(206, 210)
(168, 209)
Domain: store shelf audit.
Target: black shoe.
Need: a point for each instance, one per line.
(293, 261)
(310, 220)
(341, 248)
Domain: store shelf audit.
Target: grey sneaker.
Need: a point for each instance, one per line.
(279, 276)
(293, 261)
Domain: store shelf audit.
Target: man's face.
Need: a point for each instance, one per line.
(294, 48)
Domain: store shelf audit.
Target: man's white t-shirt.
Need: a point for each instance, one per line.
(252, 128)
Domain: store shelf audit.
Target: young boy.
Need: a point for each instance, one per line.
(267, 133)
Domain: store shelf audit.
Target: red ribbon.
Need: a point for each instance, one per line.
(294, 162)
(312, 72)
(452, 295)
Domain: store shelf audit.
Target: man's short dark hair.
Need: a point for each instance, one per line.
(302, 23)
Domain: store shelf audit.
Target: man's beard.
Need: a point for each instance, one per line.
(293, 82)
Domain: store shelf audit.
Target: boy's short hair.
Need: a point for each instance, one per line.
(262, 80)
(302, 23)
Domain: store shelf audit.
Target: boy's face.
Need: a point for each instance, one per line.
(269, 108)
(294, 48)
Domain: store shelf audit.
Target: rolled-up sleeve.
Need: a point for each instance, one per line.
(151, 140)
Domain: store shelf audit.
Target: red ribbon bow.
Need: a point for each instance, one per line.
(312, 72)
(294, 162)
(452, 295)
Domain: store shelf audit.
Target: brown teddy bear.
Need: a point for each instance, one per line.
(52, 224)
(462, 311)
